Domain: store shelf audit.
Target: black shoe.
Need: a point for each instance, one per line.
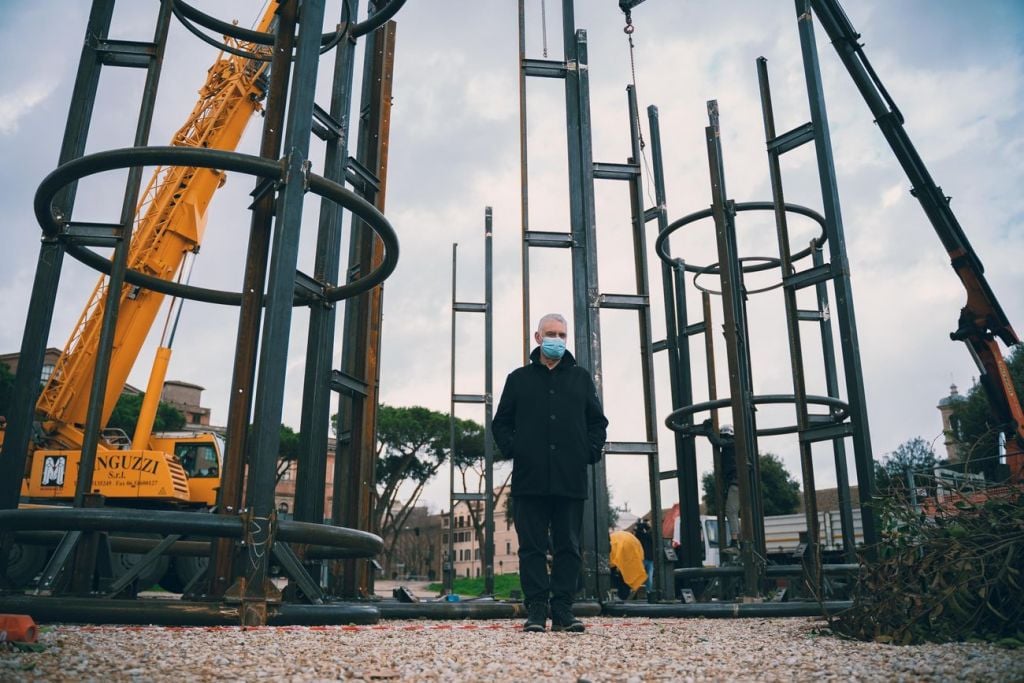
(732, 548)
(536, 619)
(563, 620)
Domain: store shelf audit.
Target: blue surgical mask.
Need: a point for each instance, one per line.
(552, 347)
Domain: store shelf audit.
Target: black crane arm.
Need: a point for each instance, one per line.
(982, 318)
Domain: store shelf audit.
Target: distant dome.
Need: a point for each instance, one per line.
(954, 397)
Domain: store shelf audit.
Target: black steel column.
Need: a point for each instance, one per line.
(311, 469)
(261, 516)
(796, 356)
(488, 554)
(737, 352)
(680, 379)
(841, 271)
(48, 266)
(243, 377)
(586, 315)
(355, 459)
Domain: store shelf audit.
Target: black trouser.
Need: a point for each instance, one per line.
(534, 517)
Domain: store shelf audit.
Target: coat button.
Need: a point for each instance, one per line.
(552, 446)
(551, 391)
(552, 417)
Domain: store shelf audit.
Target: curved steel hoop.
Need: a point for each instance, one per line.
(52, 223)
(661, 243)
(189, 16)
(838, 407)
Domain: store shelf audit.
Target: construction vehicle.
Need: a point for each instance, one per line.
(180, 470)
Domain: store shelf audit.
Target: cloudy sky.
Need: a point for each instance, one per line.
(956, 73)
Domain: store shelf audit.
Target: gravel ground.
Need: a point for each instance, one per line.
(611, 650)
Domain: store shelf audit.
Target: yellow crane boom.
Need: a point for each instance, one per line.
(170, 220)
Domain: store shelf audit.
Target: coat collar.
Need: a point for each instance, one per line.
(568, 360)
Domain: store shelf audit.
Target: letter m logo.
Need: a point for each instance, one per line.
(53, 470)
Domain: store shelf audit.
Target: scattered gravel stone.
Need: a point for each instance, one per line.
(612, 649)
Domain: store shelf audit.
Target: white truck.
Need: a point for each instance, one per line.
(781, 532)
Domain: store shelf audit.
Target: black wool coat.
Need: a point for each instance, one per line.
(551, 425)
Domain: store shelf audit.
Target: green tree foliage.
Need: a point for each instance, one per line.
(413, 443)
(915, 455)
(976, 426)
(126, 415)
(779, 491)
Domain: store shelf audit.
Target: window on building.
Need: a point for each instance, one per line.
(508, 524)
(478, 572)
(476, 555)
(47, 371)
(508, 547)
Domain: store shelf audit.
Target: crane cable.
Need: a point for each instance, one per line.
(628, 30)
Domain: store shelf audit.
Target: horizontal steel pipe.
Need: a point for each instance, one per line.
(770, 570)
(726, 610)
(185, 523)
(177, 613)
(469, 609)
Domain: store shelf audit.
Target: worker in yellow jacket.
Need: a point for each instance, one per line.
(626, 560)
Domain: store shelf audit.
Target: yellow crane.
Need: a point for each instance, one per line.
(182, 469)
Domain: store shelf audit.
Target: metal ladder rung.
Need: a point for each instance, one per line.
(790, 140)
(652, 214)
(469, 496)
(660, 345)
(346, 384)
(695, 328)
(325, 126)
(606, 171)
(812, 315)
(557, 240)
(544, 68)
(129, 53)
(469, 398)
(93, 234)
(631, 447)
(668, 474)
(629, 302)
(468, 307)
(309, 285)
(836, 431)
(811, 276)
(359, 176)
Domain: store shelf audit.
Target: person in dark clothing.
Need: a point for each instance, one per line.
(550, 423)
(726, 442)
(642, 531)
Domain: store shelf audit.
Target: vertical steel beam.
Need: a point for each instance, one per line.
(680, 379)
(586, 315)
(265, 444)
(642, 282)
(737, 353)
(356, 457)
(796, 355)
(243, 377)
(832, 389)
(449, 566)
(48, 266)
(488, 554)
(841, 269)
(524, 184)
(311, 469)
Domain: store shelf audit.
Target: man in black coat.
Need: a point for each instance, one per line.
(550, 423)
